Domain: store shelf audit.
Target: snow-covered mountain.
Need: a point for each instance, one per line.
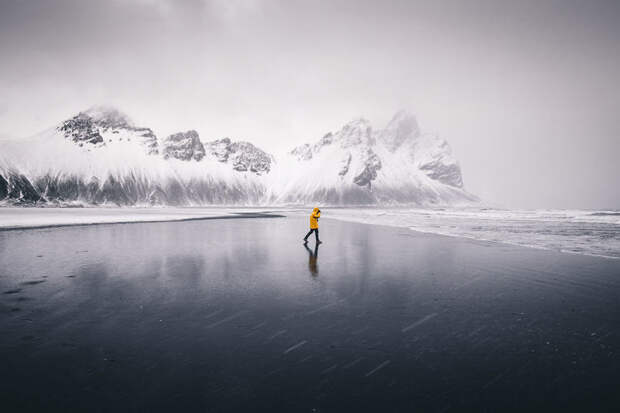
(100, 157)
(359, 165)
(91, 126)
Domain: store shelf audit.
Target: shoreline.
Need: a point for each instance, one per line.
(495, 242)
(29, 219)
(17, 218)
(18, 228)
(573, 232)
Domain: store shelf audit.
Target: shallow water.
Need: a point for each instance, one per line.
(237, 315)
(584, 232)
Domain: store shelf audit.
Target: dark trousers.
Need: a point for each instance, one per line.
(316, 234)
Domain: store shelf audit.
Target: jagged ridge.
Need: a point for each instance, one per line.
(110, 160)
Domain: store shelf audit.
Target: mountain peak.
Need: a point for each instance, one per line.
(100, 124)
(184, 146)
(356, 132)
(361, 122)
(242, 155)
(108, 116)
(402, 114)
(402, 127)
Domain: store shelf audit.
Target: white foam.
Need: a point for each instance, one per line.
(46, 217)
(585, 232)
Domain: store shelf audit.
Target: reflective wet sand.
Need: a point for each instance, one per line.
(237, 315)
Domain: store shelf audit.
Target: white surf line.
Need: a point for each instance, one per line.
(353, 363)
(420, 321)
(305, 358)
(279, 333)
(376, 369)
(259, 325)
(250, 334)
(324, 307)
(327, 370)
(276, 371)
(131, 220)
(213, 314)
(296, 346)
(254, 329)
(225, 319)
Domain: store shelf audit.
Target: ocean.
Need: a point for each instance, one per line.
(586, 232)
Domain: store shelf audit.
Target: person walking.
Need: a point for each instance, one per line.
(314, 225)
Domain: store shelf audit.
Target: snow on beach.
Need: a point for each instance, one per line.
(15, 218)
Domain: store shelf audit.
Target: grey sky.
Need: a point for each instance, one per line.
(526, 92)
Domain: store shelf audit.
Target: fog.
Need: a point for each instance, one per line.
(525, 92)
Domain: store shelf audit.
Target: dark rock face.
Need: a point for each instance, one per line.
(150, 140)
(81, 129)
(4, 188)
(327, 139)
(303, 152)
(357, 140)
(221, 149)
(87, 127)
(248, 157)
(18, 188)
(184, 146)
(346, 163)
(449, 174)
(371, 165)
(109, 118)
(243, 156)
(134, 189)
(124, 190)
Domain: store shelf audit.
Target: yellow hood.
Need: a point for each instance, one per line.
(314, 218)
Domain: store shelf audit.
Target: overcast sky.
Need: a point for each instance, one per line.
(526, 92)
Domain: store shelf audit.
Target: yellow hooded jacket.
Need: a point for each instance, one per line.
(314, 219)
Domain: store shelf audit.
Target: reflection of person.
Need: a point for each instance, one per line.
(314, 225)
(312, 259)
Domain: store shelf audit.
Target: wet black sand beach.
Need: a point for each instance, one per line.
(236, 315)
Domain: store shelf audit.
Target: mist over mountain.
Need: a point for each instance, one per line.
(100, 156)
